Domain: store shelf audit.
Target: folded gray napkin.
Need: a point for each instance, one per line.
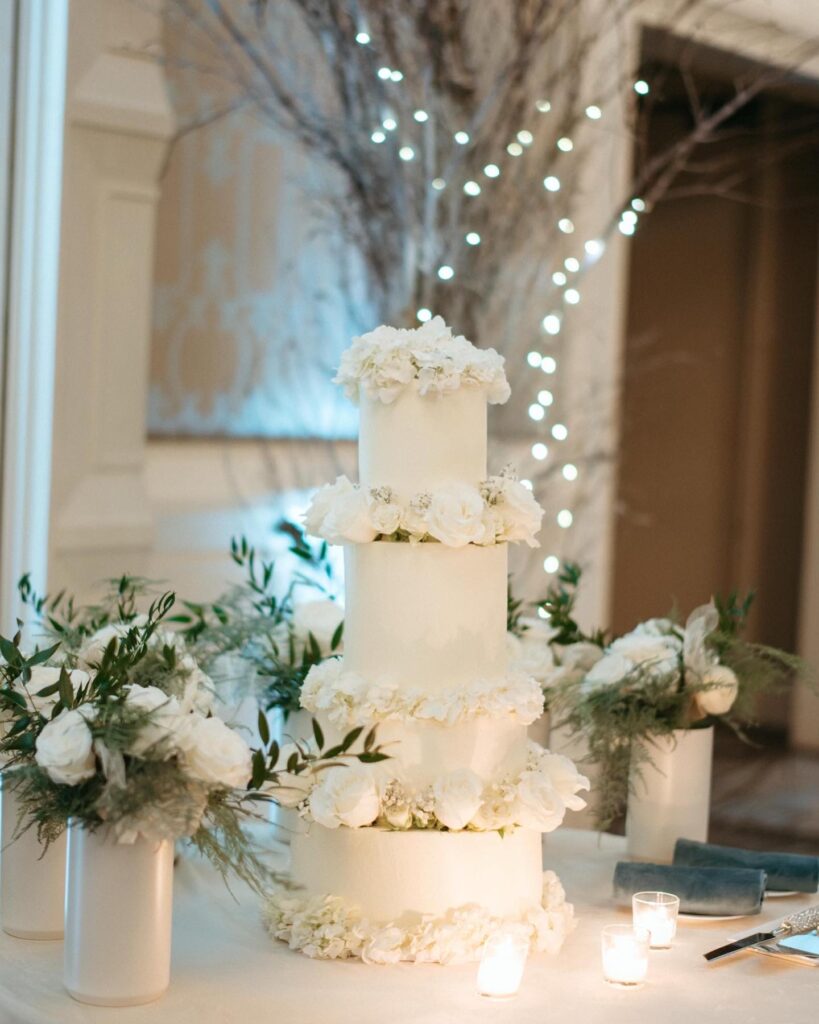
(708, 891)
(785, 871)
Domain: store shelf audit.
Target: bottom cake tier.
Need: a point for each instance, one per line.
(426, 896)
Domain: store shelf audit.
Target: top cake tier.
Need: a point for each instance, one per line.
(423, 396)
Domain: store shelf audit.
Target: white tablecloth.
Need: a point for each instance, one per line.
(227, 971)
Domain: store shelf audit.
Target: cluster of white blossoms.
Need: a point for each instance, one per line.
(389, 359)
(536, 798)
(660, 650)
(71, 747)
(348, 699)
(499, 510)
(328, 928)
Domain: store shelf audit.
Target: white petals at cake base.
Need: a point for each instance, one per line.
(354, 888)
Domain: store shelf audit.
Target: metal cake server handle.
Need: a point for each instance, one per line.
(802, 921)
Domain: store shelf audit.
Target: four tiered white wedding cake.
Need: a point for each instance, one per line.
(424, 855)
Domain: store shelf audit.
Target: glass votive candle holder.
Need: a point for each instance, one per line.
(625, 955)
(502, 964)
(657, 913)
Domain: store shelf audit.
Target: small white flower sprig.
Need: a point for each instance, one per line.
(536, 797)
(499, 510)
(386, 361)
(328, 928)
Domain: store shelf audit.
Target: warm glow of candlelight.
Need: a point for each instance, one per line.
(502, 965)
(656, 912)
(625, 955)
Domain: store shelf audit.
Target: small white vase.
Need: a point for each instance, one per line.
(299, 726)
(117, 918)
(32, 882)
(670, 795)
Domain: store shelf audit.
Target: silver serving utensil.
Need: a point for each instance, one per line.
(801, 921)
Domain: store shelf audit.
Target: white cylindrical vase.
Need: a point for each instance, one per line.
(118, 911)
(670, 794)
(32, 879)
(297, 726)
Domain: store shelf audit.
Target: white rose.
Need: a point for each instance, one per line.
(534, 655)
(166, 725)
(455, 515)
(90, 655)
(723, 689)
(520, 514)
(565, 778)
(583, 655)
(458, 796)
(349, 519)
(538, 805)
(321, 618)
(216, 754)
(414, 516)
(43, 676)
(345, 796)
(385, 516)
(658, 655)
(64, 749)
(322, 502)
(610, 669)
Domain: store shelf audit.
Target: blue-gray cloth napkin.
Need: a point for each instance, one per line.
(786, 871)
(714, 892)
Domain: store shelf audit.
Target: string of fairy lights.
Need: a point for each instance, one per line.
(565, 277)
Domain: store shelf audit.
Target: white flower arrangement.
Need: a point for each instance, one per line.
(499, 510)
(537, 797)
(347, 699)
(329, 928)
(386, 361)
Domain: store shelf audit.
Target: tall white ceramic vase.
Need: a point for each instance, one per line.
(118, 918)
(32, 882)
(670, 796)
(298, 726)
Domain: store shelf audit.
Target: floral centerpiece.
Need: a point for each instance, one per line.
(662, 680)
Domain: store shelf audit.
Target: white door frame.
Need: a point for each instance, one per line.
(33, 276)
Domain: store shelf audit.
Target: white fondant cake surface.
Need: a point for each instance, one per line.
(420, 442)
(425, 615)
(391, 874)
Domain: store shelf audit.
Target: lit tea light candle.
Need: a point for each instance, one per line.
(657, 913)
(502, 965)
(625, 955)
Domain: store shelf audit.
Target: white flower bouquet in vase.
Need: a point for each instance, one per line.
(647, 703)
(129, 760)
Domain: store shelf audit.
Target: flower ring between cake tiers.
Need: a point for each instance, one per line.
(499, 510)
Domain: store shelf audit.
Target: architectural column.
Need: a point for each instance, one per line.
(118, 123)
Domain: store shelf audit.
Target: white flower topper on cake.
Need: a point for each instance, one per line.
(329, 928)
(498, 511)
(347, 699)
(387, 360)
(536, 797)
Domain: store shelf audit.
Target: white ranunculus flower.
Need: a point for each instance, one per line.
(319, 618)
(723, 689)
(539, 805)
(216, 754)
(458, 796)
(345, 796)
(64, 749)
(455, 515)
(349, 519)
(519, 512)
(166, 730)
(43, 676)
(565, 778)
(610, 669)
(323, 501)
